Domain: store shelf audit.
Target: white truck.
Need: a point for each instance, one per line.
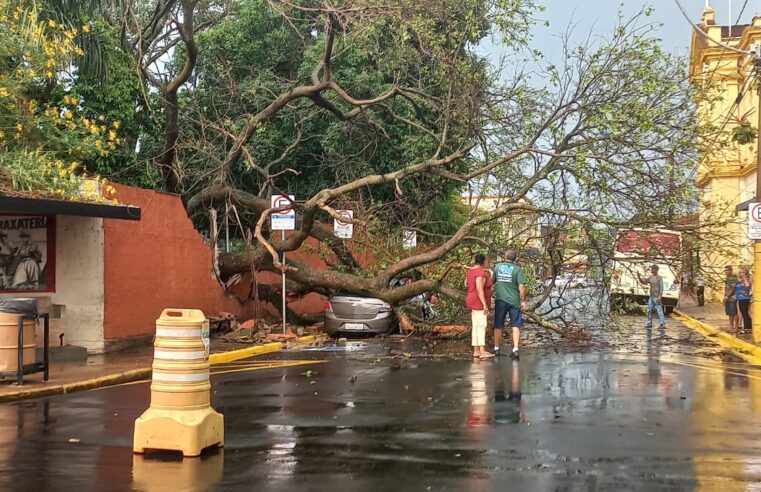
(635, 252)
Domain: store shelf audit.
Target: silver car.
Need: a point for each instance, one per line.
(347, 313)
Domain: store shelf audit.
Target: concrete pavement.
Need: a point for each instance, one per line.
(711, 322)
(111, 369)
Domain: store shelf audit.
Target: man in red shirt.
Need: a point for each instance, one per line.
(478, 282)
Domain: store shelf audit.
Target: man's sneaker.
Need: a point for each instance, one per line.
(496, 352)
(515, 354)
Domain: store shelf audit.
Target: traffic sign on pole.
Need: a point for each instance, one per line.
(754, 220)
(284, 220)
(344, 229)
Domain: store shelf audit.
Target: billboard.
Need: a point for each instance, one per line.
(27, 253)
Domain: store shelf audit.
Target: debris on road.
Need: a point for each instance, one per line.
(447, 329)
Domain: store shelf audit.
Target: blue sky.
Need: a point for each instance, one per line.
(601, 15)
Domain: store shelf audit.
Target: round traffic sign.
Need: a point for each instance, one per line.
(282, 201)
(755, 212)
(345, 214)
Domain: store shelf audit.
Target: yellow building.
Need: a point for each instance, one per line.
(727, 102)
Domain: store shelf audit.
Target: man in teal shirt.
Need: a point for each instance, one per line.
(510, 300)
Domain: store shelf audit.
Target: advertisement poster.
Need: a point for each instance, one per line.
(27, 253)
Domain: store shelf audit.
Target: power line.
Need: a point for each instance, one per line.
(708, 77)
(742, 11)
(705, 34)
(742, 90)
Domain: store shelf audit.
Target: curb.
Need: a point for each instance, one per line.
(747, 351)
(140, 373)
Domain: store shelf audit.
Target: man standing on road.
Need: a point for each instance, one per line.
(656, 293)
(701, 289)
(510, 300)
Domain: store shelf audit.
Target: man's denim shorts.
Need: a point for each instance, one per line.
(502, 310)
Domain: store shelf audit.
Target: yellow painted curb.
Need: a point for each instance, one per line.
(744, 350)
(139, 374)
(232, 355)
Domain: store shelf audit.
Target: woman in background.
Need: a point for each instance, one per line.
(742, 294)
(478, 300)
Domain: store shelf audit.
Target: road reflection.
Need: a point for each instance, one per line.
(724, 420)
(160, 472)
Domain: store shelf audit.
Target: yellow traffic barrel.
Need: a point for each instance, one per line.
(180, 416)
(181, 360)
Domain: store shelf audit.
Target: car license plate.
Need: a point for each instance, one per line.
(354, 326)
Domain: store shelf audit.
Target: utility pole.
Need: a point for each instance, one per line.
(756, 306)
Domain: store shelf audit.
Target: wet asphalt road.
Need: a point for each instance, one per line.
(658, 413)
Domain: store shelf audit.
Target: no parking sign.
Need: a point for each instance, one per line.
(754, 220)
(284, 220)
(344, 229)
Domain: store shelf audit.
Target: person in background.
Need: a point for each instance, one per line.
(700, 282)
(510, 299)
(730, 301)
(742, 294)
(477, 300)
(746, 270)
(688, 285)
(654, 302)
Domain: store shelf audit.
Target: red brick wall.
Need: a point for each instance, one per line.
(308, 254)
(155, 263)
(161, 261)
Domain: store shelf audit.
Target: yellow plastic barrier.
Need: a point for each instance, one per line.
(180, 416)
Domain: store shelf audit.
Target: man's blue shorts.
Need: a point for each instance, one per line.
(502, 310)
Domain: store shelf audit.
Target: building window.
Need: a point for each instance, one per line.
(27, 253)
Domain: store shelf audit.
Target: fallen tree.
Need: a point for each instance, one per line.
(389, 109)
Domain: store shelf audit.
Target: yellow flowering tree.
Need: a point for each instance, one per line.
(44, 136)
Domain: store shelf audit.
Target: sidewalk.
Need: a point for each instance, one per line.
(110, 369)
(711, 322)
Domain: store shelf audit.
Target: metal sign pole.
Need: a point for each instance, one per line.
(227, 228)
(282, 238)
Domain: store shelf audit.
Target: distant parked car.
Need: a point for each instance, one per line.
(568, 280)
(348, 313)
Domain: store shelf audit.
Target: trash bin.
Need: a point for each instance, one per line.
(11, 310)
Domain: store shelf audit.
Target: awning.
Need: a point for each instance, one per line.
(743, 207)
(44, 206)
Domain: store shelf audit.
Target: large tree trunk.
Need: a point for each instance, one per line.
(169, 174)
